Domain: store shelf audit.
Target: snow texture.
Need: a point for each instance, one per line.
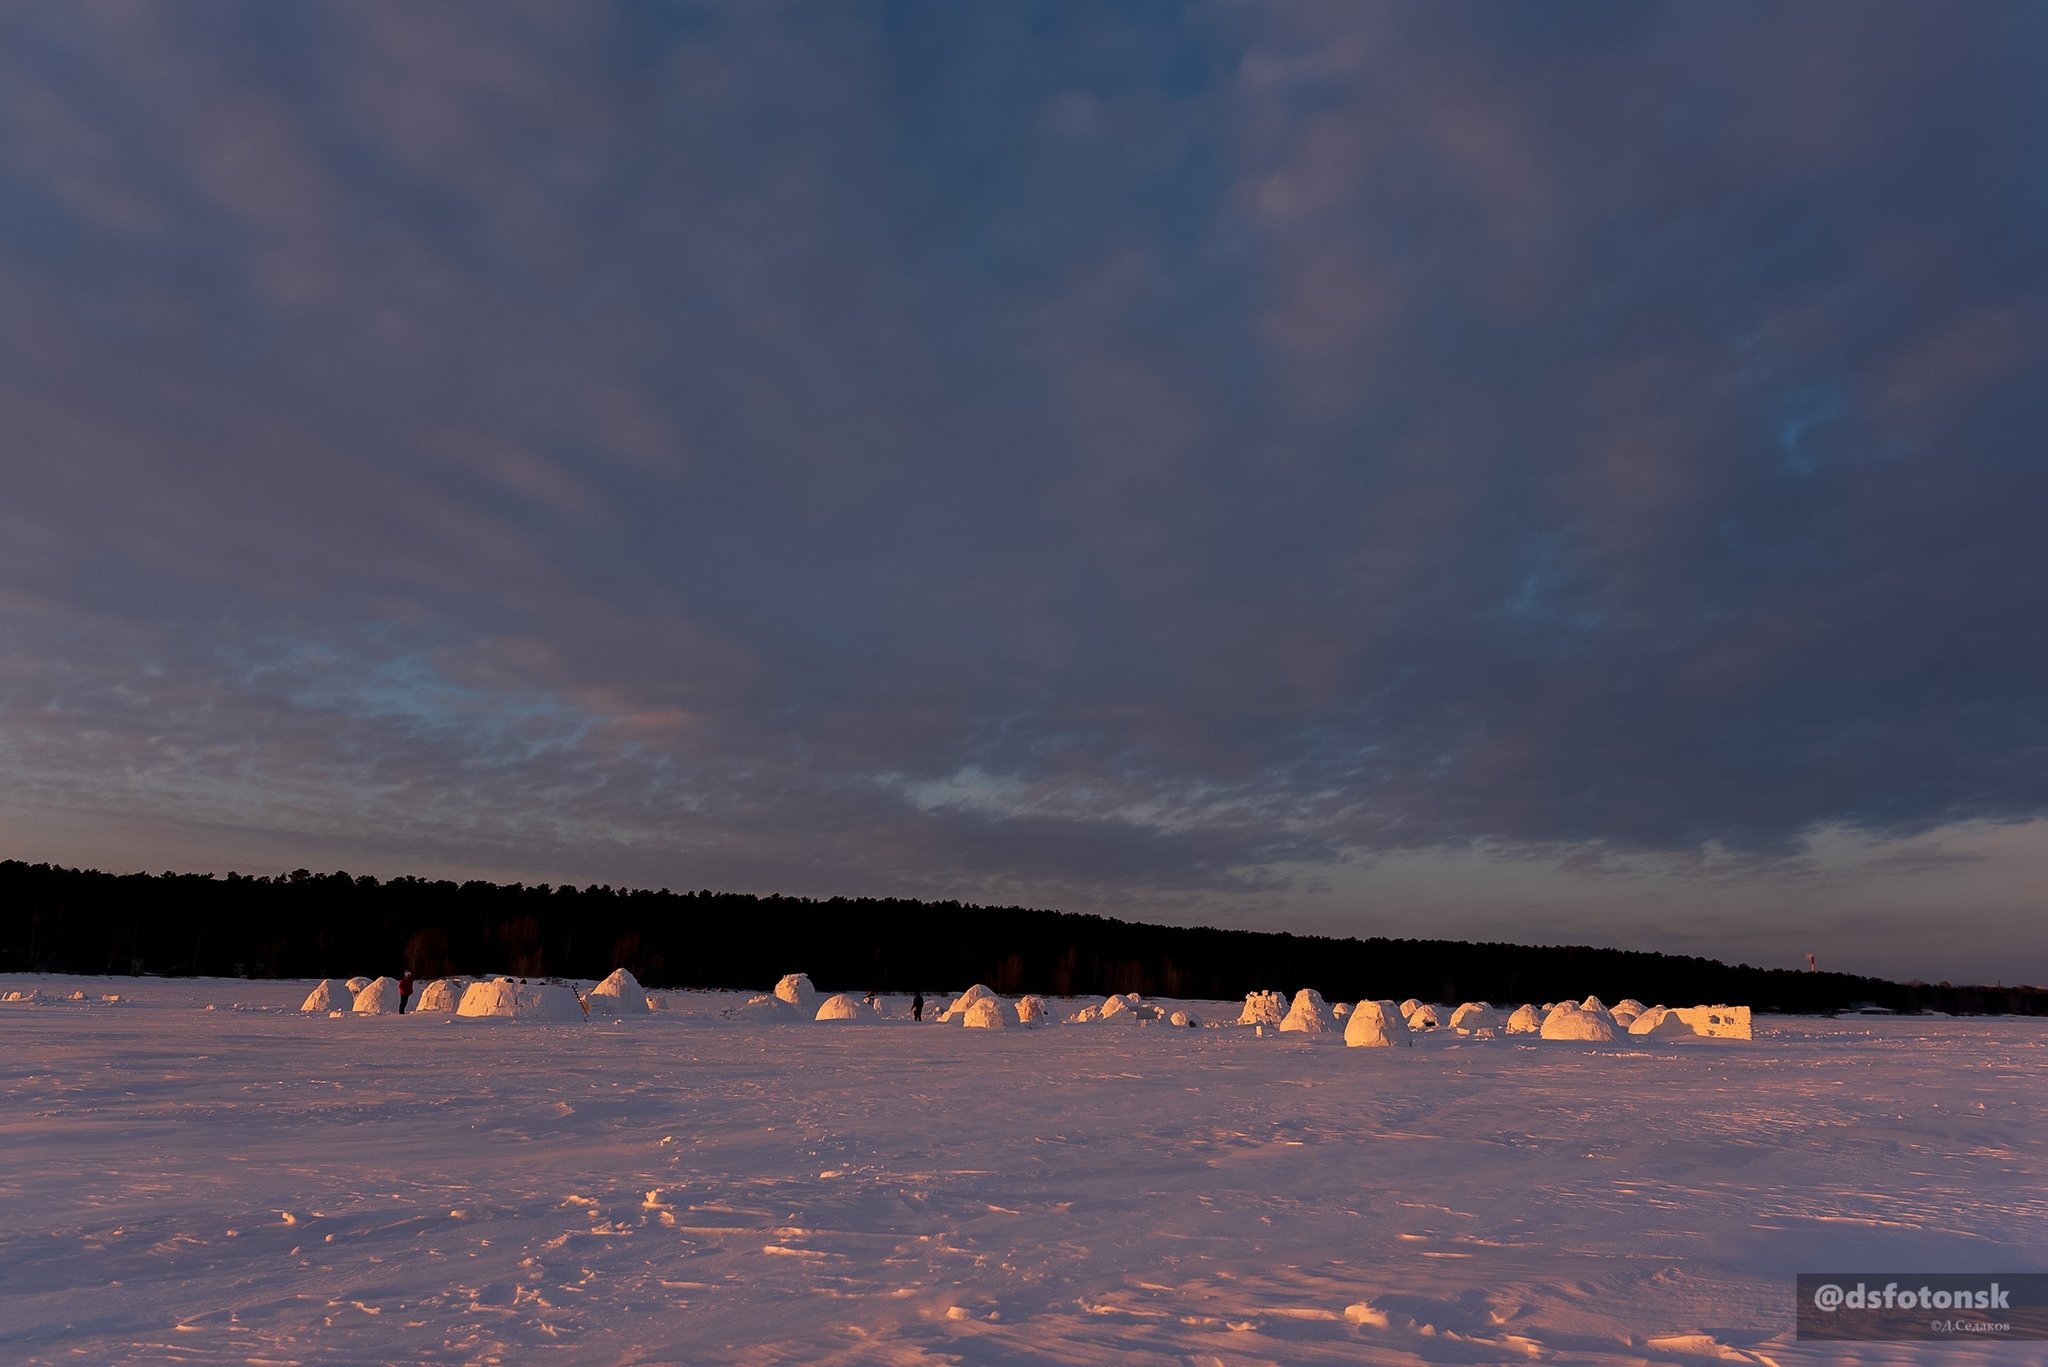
(254, 1183)
(618, 995)
(1376, 1024)
(1309, 1014)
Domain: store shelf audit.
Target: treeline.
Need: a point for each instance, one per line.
(306, 925)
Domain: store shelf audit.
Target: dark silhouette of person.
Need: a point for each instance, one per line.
(404, 990)
(917, 1006)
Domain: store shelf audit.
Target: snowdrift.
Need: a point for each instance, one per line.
(1309, 1014)
(379, 998)
(522, 1000)
(1376, 1025)
(618, 995)
(766, 1009)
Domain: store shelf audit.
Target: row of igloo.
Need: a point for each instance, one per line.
(1386, 1023)
(539, 1000)
(979, 1008)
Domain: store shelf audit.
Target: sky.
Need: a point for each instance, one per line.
(1561, 473)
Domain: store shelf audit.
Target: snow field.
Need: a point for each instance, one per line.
(256, 1183)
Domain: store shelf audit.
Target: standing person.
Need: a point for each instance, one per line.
(404, 990)
(917, 1006)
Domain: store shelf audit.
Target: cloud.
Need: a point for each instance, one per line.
(1117, 459)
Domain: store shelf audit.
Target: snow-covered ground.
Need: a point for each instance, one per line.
(248, 1184)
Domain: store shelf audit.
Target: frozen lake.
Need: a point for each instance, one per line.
(246, 1184)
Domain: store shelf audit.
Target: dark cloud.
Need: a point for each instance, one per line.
(1082, 454)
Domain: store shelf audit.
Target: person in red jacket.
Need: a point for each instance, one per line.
(404, 990)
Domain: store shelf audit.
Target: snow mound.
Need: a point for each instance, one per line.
(1567, 1021)
(1341, 1010)
(1408, 1008)
(356, 985)
(987, 1013)
(379, 998)
(525, 1001)
(1424, 1017)
(328, 996)
(1593, 1004)
(1032, 1010)
(1526, 1020)
(796, 989)
(844, 1007)
(766, 1009)
(1309, 1014)
(1475, 1018)
(1263, 1008)
(442, 994)
(1376, 1025)
(1184, 1019)
(1630, 1005)
(958, 1010)
(618, 995)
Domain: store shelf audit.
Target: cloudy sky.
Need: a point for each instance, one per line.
(1542, 472)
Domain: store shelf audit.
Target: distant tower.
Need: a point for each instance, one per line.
(1812, 965)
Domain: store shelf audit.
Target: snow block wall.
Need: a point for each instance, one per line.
(1263, 1008)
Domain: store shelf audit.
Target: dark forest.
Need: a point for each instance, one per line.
(307, 925)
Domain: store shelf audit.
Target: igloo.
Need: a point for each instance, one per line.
(356, 985)
(1376, 1024)
(796, 989)
(1309, 1014)
(1571, 1022)
(1408, 1008)
(1263, 1008)
(1424, 1017)
(618, 995)
(987, 1013)
(1032, 1010)
(845, 1007)
(379, 998)
(441, 995)
(535, 1001)
(1475, 1018)
(1526, 1020)
(958, 1010)
(329, 996)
